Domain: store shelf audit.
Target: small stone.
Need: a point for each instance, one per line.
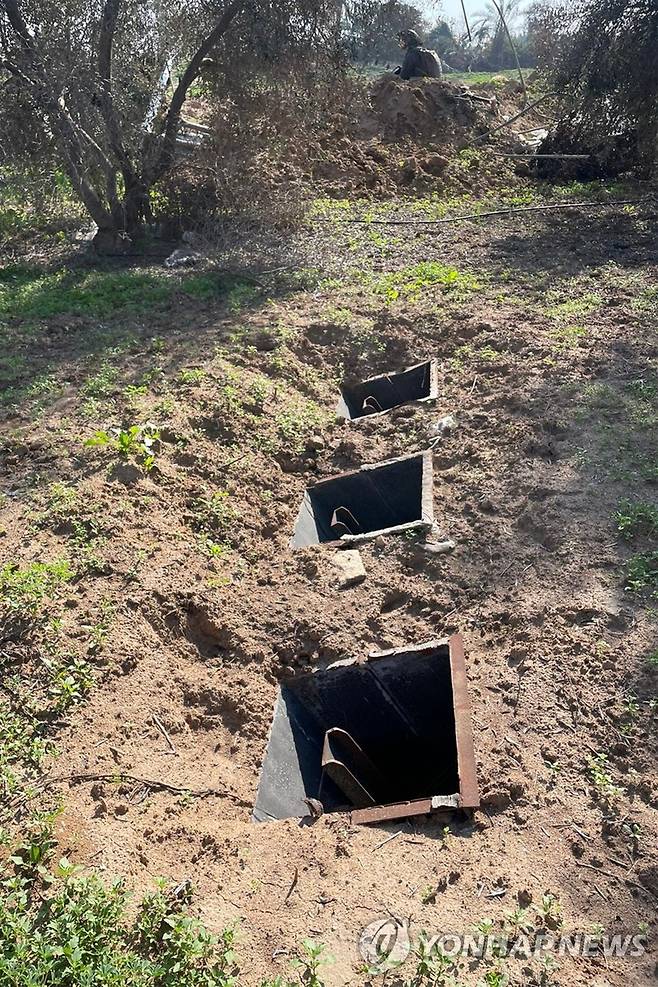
(315, 443)
(351, 569)
(444, 426)
(120, 809)
(100, 809)
(439, 547)
(182, 257)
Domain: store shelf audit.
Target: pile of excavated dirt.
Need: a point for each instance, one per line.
(405, 136)
(425, 108)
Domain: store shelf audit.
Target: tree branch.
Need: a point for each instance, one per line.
(514, 51)
(15, 71)
(105, 48)
(172, 121)
(59, 119)
(17, 21)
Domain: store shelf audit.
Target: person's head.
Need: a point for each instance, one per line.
(408, 39)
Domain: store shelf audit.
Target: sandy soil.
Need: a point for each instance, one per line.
(548, 442)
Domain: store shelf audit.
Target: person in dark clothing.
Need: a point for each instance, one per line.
(418, 62)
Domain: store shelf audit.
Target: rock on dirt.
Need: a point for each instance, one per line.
(444, 426)
(182, 257)
(439, 547)
(350, 568)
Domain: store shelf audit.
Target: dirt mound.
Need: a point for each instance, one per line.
(426, 108)
(388, 137)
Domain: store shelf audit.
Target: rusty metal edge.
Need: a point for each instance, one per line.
(426, 520)
(384, 813)
(427, 489)
(431, 397)
(466, 767)
(469, 795)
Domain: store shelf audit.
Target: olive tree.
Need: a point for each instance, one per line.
(603, 60)
(100, 86)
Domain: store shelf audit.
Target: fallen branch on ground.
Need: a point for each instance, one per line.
(119, 776)
(506, 123)
(558, 157)
(483, 215)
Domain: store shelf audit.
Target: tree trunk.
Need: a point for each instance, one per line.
(125, 228)
(647, 145)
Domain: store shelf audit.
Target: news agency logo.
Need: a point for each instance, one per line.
(386, 944)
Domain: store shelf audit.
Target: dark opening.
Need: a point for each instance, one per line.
(359, 503)
(386, 392)
(397, 709)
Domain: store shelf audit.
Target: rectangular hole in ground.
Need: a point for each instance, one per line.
(387, 391)
(370, 500)
(397, 708)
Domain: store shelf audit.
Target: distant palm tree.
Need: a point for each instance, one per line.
(495, 24)
(488, 22)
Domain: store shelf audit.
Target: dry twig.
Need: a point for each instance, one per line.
(491, 212)
(293, 885)
(47, 781)
(387, 840)
(163, 730)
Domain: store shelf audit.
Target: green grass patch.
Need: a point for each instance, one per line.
(641, 574)
(502, 77)
(23, 591)
(32, 293)
(646, 301)
(600, 189)
(84, 932)
(572, 308)
(298, 421)
(102, 383)
(568, 336)
(637, 519)
(620, 428)
(209, 285)
(410, 282)
(38, 388)
(334, 210)
(28, 293)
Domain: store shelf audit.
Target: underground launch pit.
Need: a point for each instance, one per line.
(387, 391)
(385, 498)
(384, 738)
